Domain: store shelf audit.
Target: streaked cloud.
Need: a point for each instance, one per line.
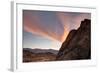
(33, 25)
(54, 26)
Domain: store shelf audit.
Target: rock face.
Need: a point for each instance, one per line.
(78, 43)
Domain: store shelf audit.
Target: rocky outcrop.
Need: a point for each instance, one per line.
(78, 43)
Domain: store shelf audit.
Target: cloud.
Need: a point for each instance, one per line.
(33, 25)
(68, 21)
(63, 19)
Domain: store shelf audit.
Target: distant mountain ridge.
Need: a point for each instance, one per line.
(37, 50)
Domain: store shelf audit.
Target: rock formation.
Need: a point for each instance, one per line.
(77, 44)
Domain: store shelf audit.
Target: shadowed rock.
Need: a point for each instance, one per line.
(78, 44)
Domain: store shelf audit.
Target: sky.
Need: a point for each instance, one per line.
(49, 29)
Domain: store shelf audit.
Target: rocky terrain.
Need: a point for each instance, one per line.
(77, 45)
(38, 55)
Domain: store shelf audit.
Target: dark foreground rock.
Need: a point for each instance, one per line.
(78, 43)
